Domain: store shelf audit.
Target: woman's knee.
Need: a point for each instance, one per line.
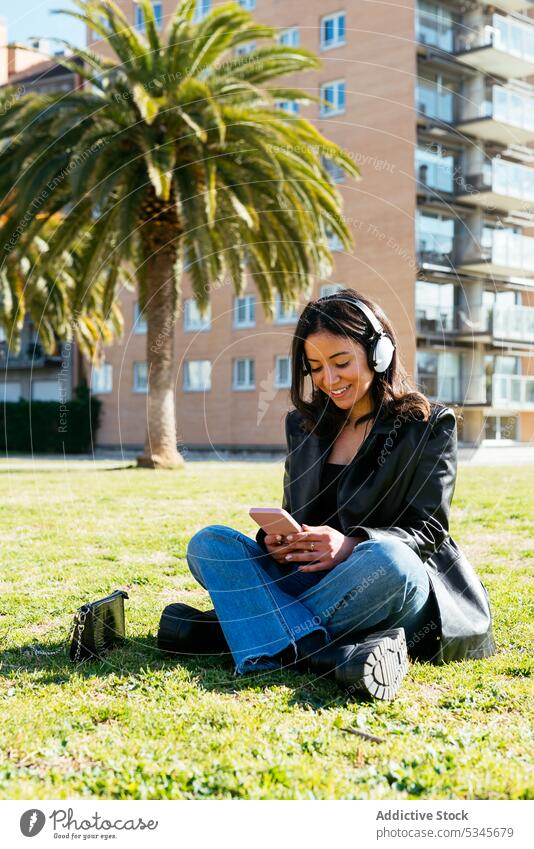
(393, 564)
(202, 540)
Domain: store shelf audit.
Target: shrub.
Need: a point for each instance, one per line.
(49, 426)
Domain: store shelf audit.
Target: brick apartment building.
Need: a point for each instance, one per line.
(32, 373)
(433, 102)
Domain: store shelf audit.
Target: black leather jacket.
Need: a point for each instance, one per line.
(400, 484)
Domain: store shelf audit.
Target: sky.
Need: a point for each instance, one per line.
(26, 18)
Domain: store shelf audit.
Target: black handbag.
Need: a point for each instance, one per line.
(98, 627)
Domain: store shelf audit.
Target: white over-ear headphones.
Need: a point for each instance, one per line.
(380, 351)
(380, 348)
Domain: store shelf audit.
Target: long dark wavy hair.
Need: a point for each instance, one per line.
(392, 393)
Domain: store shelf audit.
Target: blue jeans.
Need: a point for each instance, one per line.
(263, 607)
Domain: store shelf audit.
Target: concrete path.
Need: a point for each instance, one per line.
(486, 455)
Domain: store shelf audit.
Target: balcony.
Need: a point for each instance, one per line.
(452, 390)
(506, 116)
(514, 324)
(506, 254)
(30, 356)
(512, 392)
(503, 47)
(501, 185)
(516, 5)
(491, 324)
(504, 392)
(436, 321)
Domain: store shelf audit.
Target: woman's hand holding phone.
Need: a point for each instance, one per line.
(277, 547)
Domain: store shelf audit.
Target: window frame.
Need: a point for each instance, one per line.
(291, 42)
(248, 387)
(136, 388)
(139, 20)
(337, 41)
(277, 383)
(189, 388)
(108, 368)
(278, 317)
(325, 112)
(203, 326)
(140, 327)
(251, 299)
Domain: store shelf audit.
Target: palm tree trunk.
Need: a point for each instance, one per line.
(160, 449)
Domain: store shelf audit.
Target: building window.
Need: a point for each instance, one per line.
(245, 311)
(140, 377)
(434, 25)
(333, 240)
(243, 377)
(434, 307)
(192, 318)
(501, 427)
(290, 106)
(332, 98)
(202, 9)
(435, 96)
(248, 4)
(197, 376)
(333, 30)
(47, 390)
(102, 379)
(284, 313)
(139, 19)
(435, 167)
(245, 49)
(438, 375)
(10, 391)
(289, 37)
(330, 289)
(434, 236)
(282, 372)
(139, 322)
(334, 171)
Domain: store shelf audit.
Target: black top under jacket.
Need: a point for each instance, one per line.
(400, 484)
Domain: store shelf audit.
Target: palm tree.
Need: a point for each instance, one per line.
(177, 157)
(51, 296)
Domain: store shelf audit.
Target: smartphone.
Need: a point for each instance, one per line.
(274, 520)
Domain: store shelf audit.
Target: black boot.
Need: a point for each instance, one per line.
(374, 667)
(185, 630)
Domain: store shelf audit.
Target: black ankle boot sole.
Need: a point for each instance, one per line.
(377, 666)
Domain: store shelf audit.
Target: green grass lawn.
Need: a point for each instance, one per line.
(141, 726)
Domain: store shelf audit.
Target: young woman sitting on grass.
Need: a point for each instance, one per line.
(369, 476)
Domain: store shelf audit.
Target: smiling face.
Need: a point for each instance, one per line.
(339, 368)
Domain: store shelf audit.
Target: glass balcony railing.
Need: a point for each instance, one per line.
(512, 391)
(440, 388)
(502, 106)
(501, 252)
(512, 323)
(508, 36)
(506, 179)
(511, 250)
(434, 319)
(515, 323)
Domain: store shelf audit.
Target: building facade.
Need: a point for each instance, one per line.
(433, 101)
(31, 373)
